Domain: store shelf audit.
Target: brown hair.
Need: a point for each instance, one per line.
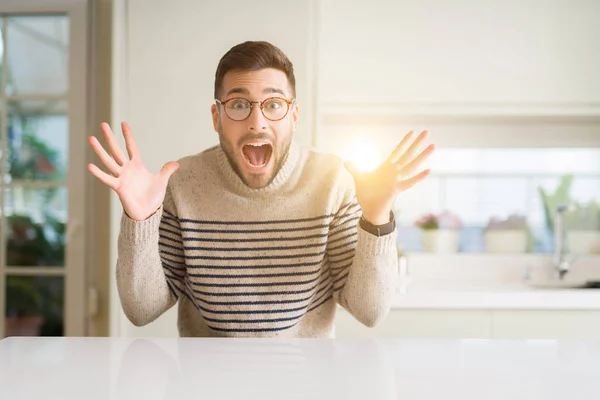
(254, 56)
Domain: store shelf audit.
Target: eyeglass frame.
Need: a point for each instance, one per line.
(288, 102)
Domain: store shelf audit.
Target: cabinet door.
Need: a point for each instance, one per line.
(466, 56)
(471, 324)
(546, 324)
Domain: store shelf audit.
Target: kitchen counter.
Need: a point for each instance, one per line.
(479, 281)
(122, 368)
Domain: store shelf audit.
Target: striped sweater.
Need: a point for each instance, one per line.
(263, 262)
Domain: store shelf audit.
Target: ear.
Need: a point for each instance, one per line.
(215, 117)
(295, 116)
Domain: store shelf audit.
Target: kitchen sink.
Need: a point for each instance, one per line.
(563, 284)
(548, 278)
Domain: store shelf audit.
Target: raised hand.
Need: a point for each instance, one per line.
(141, 192)
(376, 191)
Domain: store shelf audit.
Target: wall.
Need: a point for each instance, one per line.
(369, 68)
(165, 57)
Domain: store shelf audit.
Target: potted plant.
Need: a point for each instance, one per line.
(508, 235)
(439, 232)
(551, 201)
(582, 227)
(24, 316)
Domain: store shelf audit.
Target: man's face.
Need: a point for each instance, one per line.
(256, 147)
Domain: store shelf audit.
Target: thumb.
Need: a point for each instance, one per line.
(352, 169)
(168, 169)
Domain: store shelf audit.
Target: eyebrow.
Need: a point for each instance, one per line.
(268, 90)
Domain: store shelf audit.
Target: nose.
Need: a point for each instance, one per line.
(256, 120)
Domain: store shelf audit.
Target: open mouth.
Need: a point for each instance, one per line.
(257, 154)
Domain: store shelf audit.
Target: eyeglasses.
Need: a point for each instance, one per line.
(273, 108)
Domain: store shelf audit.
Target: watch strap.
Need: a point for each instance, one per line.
(379, 230)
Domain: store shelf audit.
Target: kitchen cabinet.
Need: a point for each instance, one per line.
(477, 324)
(419, 323)
(546, 324)
(461, 57)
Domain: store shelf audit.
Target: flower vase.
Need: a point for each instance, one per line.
(440, 240)
(506, 241)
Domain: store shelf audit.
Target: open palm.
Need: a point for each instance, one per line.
(376, 191)
(141, 192)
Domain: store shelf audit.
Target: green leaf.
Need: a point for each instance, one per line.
(560, 196)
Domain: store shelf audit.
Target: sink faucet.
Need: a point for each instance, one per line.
(560, 262)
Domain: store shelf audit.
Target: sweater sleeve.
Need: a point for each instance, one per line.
(151, 265)
(364, 267)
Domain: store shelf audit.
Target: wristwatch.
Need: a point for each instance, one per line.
(379, 230)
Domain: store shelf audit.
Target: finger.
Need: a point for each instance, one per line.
(411, 167)
(106, 159)
(408, 183)
(408, 155)
(113, 146)
(129, 141)
(400, 148)
(105, 178)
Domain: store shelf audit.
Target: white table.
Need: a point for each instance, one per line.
(120, 368)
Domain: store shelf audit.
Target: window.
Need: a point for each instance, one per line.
(478, 184)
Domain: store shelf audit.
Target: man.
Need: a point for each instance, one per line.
(256, 236)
